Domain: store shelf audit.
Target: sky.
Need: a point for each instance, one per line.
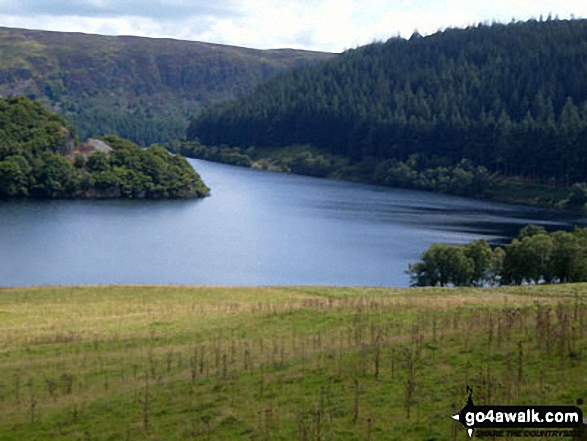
(324, 25)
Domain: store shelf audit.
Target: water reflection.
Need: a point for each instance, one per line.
(258, 228)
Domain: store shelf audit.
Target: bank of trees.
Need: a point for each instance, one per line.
(535, 256)
(127, 172)
(510, 98)
(131, 172)
(462, 178)
(38, 159)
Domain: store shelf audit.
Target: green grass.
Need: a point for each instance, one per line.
(280, 363)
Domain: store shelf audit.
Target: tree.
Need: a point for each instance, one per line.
(528, 259)
(54, 176)
(577, 196)
(442, 265)
(531, 230)
(132, 183)
(496, 267)
(14, 180)
(538, 250)
(481, 255)
(569, 257)
(98, 161)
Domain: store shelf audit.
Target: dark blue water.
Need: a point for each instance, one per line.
(257, 228)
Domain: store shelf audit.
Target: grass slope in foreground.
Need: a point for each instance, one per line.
(135, 363)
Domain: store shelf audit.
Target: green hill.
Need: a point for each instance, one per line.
(39, 158)
(142, 89)
(511, 98)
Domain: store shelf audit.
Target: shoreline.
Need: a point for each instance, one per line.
(503, 190)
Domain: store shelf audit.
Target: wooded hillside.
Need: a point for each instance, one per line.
(510, 97)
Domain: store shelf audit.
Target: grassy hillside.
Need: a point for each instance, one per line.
(282, 363)
(142, 89)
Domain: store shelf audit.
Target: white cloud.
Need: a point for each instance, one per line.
(330, 25)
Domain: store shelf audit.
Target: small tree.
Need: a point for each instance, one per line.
(496, 267)
(481, 255)
(98, 162)
(13, 177)
(529, 259)
(577, 196)
(442, 265)
(531, 230)
(568, 262)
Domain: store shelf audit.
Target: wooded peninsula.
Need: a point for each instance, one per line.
(40, 158)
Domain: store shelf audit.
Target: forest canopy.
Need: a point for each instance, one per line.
(39, 158)
(510, 98)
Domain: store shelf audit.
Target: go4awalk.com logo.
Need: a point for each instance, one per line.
(520, 420)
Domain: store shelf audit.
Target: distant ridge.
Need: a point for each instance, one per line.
(144, 89)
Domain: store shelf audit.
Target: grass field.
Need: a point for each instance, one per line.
(283, 363)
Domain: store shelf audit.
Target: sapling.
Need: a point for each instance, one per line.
(33, 407)
(356, 408)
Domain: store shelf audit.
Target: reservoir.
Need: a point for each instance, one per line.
(257, 228)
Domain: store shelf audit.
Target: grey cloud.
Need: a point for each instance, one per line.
(157, 9)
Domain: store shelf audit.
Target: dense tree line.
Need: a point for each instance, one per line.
(143, 128)
(416, 172)
(33, 162)
(535, 256)
(293, 159)
(511, 98)
(462, 178)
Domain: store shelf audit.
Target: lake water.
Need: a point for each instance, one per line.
(257, 228)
